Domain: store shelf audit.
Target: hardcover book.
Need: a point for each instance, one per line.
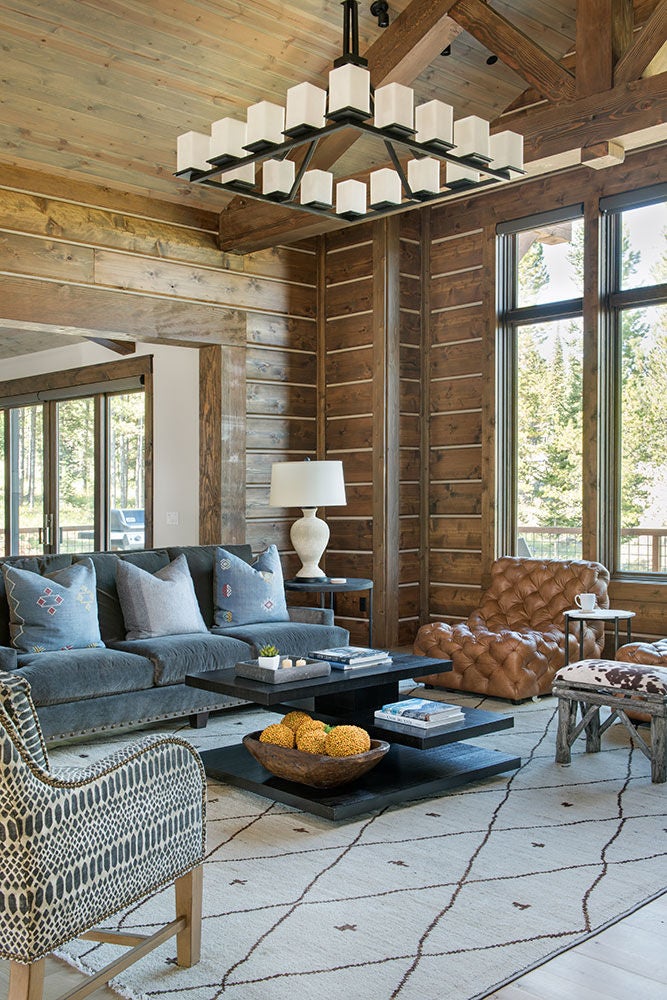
(350, 655)
(422, 709)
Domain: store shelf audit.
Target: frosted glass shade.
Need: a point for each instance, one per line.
(306, 107)
(459, 176)
(307, 484)
(435, 123)
(241, 176)
(471, 137)
(266, 122)
(192, 151)
(227, 138)
(385, 188)
(424, 176)
(507, 151)
(349, 92)
(395, 107)
(277, 177)
(317, 188)
(350, 198)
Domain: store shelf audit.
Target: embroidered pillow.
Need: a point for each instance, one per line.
(161, 603)
(246, 595)
(54, 611)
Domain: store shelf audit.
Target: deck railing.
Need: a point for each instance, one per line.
(643, 550)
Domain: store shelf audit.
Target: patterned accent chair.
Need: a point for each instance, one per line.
(514, 643)
(78, 845)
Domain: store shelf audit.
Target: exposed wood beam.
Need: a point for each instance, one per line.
(398, 55)
(604, 32)
(552, 129)
(117, 346)
(515, 49)
(652, 38)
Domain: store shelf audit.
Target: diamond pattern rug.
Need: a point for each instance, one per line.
(443, 898)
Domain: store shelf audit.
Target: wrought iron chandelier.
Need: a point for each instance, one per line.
(447, 155)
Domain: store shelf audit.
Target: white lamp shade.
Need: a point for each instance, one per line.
(244, 176)
(435, 122)
(395, 106)
(507, 151)
(317, 188)
(424, 176)
(351, 198)
(307, 484)
(471, 137)
(385, 188)
(349, 91)
(277, 176)
(228, 137)
(266, 122)
(306, 107)
(460, 176)
(193, 151)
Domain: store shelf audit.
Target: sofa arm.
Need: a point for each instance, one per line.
(8, 660)
(311, 616)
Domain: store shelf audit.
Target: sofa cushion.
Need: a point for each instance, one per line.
(36, 564)
(110, 614)
(291, 638)
(246, 594)
(201, 561)
(155, 604)
(174, 656)
(62, 676)
(55, 611)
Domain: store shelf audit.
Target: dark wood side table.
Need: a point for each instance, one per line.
(325, 586)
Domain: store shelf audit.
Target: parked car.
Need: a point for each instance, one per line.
(127, 528)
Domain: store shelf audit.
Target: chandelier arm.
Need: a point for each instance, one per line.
(407, 190)
(302, 169)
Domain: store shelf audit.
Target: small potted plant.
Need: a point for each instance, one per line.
(268, 656)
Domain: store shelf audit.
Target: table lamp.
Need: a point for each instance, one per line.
(308, 485)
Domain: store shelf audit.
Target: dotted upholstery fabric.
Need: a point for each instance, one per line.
(78, 845)
(651, 653)
(513, 644)
(627, 677)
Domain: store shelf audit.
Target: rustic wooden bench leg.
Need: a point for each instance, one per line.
(567, 718)
(593, 731)
(658, 748)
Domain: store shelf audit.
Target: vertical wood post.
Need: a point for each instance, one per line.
(222, 444)
(425, 415)
(386, 454)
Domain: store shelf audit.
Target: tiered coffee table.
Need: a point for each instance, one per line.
(415, 767)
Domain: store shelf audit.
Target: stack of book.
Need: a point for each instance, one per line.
(348, 657)
(418, 715)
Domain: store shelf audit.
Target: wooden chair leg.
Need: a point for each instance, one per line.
(26, 982)
(189, 905)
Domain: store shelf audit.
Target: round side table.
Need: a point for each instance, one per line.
(599, 615)
(325, 586)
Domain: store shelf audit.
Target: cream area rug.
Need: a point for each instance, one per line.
(443, 898)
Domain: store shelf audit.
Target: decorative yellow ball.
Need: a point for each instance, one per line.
(281, 735)
(294, 719)
(309, 724)
(345, 741)
(311, 740)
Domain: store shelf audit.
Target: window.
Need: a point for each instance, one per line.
(73, 456)
(635, 233)
(540, 458)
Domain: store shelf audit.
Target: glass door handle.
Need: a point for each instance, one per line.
(49, 520)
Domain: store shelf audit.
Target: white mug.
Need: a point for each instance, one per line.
(585, 601)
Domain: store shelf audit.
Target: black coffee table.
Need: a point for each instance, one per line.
(415, 767)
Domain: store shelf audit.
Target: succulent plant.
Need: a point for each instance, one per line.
(268, 651)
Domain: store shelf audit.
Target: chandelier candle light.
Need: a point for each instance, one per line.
(228, 157)
(308, 485)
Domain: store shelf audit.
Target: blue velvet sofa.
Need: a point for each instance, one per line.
(130, 682)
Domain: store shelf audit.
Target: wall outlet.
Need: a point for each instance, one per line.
(172, 517)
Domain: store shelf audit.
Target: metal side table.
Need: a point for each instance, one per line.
(599, 615)
(325, 586)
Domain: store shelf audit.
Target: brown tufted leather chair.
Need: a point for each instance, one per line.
(512, 646)
(654, 654)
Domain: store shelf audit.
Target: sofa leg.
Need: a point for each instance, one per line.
(199, 720)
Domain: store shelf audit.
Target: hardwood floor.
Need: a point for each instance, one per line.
(624, 962)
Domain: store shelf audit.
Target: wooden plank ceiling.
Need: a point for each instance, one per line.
(100, 91)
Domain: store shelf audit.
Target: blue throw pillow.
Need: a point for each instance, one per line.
(160, 603)
(245, 595)
(54, 611)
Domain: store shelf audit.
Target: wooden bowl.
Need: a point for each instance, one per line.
(313, 769)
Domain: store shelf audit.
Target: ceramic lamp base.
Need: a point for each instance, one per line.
(309, 536)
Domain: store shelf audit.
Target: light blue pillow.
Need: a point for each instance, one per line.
(247, 594)
(54, 611)
(161, 603)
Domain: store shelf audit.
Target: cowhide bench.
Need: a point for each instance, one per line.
(622, 687)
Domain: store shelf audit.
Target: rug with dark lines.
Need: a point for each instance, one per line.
(443, 898)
